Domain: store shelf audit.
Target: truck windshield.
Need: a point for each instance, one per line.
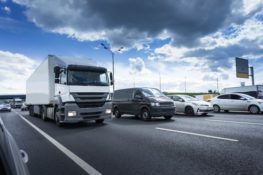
(87, 78)
(152, 93)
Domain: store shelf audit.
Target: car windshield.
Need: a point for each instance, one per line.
(87, 78)
(189, 98)
(152, 92)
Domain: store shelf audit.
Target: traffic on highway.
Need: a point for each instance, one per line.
(131, 87)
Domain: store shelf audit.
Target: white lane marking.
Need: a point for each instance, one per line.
(196, 134)
(84, 165)
(229, 121)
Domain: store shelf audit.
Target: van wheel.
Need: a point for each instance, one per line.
(145, 114)
(168, 117)
(253, 109)
(100, 121)
(117, 113)
(216, 108)
(189, 111)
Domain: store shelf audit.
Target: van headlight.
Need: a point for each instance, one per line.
(72, 113)
(109, 97)
(155, 104)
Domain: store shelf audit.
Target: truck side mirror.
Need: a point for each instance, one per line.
(57, 72)
(111, 79)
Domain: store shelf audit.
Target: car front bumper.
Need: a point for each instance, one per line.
(201, 110)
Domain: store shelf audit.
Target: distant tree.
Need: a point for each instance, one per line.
(210, 91)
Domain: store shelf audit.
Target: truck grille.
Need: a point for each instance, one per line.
(90, 100)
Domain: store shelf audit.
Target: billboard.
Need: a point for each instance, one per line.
(242, 68)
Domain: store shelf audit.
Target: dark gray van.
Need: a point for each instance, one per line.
(143, 102)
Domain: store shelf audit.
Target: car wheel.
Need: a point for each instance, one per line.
(216, 108)
(117, 113)
(226, 111)
(145, 114)
(253, 109)
(100, 121)
(189, 110)
(168, 117)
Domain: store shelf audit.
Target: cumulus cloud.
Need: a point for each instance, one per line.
(14, 70)
(6, 9)
(137, 65)
(131, 23)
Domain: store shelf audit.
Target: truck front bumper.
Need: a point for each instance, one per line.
(85, 114)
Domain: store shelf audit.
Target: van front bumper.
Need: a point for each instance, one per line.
(85, 114)
(162, 111)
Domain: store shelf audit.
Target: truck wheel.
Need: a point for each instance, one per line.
(117, 113)
(216, 108)
(57, 118)
(253, 109)
(100, 121)
(168, 117)
(145, 114)
(189, 111)
(44, 113)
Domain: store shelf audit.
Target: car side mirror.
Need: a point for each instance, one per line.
(243, 99)
(111, 79)
(57, 72)
(181, 100)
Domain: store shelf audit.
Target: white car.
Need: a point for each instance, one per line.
(237, 102)
(5, 107)
(190, 105)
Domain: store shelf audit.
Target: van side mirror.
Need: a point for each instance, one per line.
(111, 79)
(57, 72)
(137, 96)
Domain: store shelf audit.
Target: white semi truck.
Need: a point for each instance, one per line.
(69, 93)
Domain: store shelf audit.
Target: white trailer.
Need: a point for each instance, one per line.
(69, 93)
(255, 91)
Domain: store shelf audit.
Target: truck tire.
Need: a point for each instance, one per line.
(145, 114)
(44, 113)
(100, 121)
(31, 111)
(57, 117)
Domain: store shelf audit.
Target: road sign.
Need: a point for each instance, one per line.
(242, 68)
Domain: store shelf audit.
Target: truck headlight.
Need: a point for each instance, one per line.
(72, 113)
(108, 111)
(109, 97)
(155, 104)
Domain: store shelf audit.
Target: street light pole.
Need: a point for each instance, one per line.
(113, 62)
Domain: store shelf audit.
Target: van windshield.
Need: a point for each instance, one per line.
(152, 93)
(87, 78)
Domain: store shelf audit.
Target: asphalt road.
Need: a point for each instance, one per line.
(225, 143)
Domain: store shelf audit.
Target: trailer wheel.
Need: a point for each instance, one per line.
(44, 113)
(31, 111)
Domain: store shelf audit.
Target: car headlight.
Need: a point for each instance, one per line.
(260, 102)
(195, 104)
(155, 104)
(72, 113)
(109, 97)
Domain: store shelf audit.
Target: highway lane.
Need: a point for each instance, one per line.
(132, 146)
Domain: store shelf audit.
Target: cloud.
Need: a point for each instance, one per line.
(3, 1)
(131, 23)
(137, 65)
(14, 70)
(6, 9)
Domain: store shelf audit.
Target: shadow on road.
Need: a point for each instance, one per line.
(193, 116)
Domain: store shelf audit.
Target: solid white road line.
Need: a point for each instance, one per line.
(229, 121)
(84, 165)
(196, 134)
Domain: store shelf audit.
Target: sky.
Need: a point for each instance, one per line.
(186, 45)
